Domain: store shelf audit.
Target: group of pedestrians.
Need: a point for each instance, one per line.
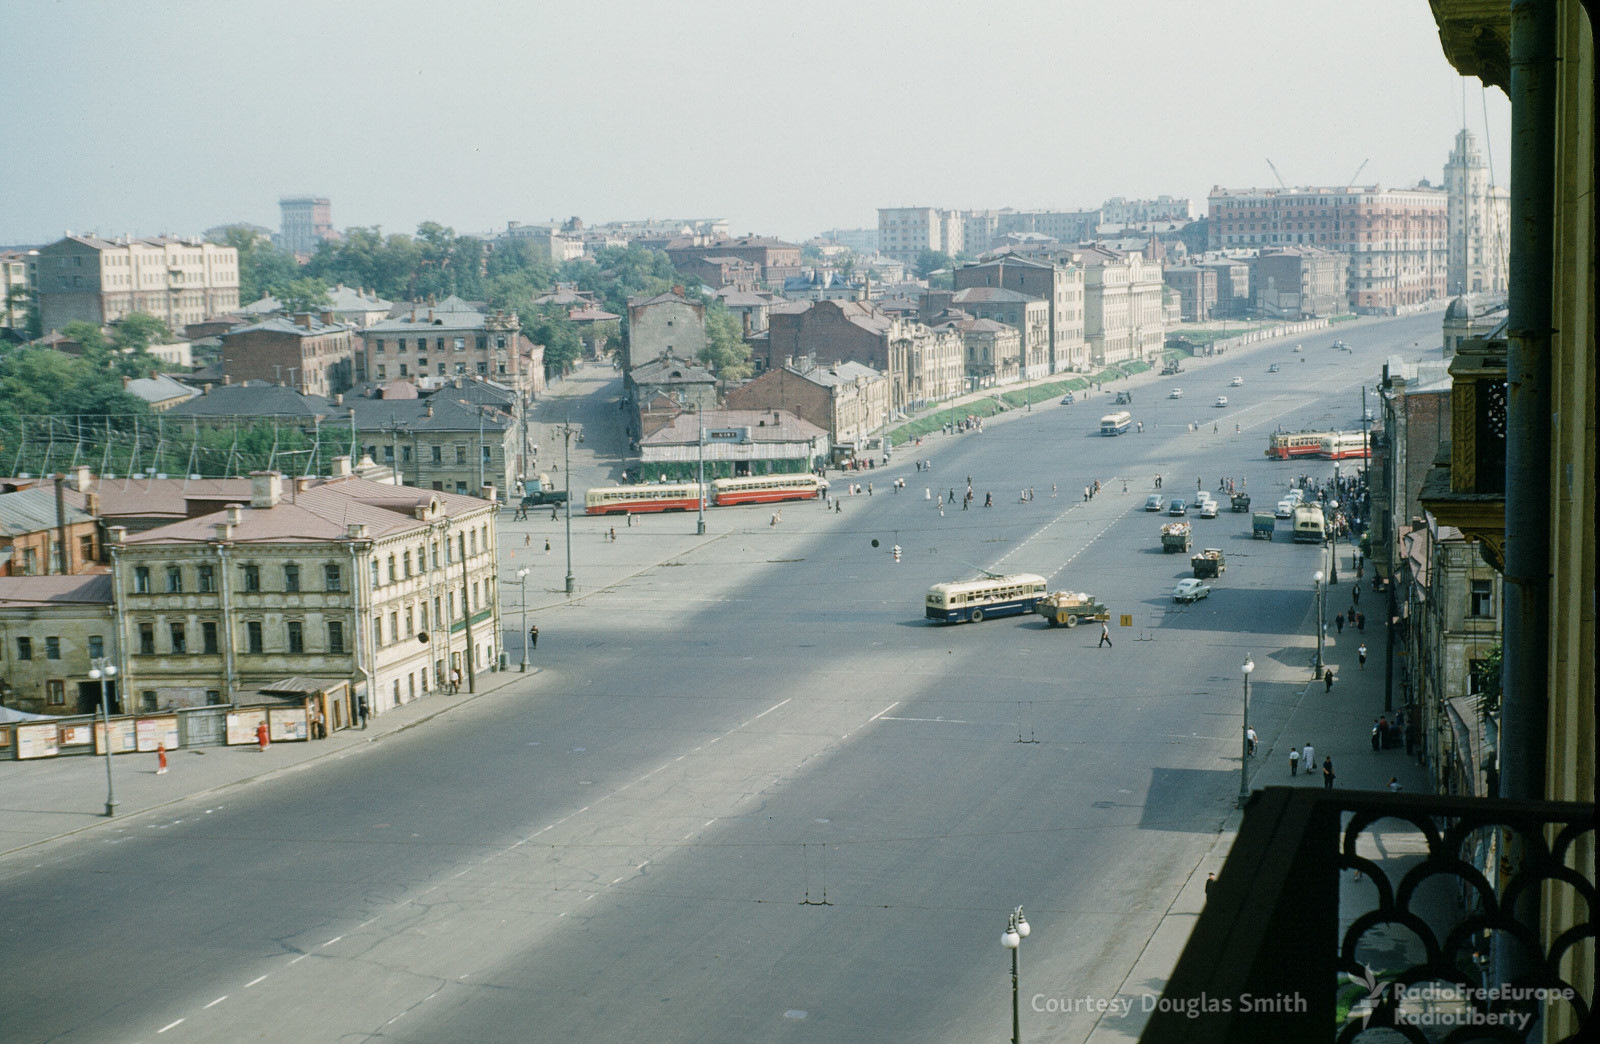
(1306, 758)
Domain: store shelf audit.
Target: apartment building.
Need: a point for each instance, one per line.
(1059, 282)
(447, 340)
(306, 222)
(311, 354)
(16, 291)
(53, 631)
(1122, 305)
(905, 232)
(1396, 239)
(179, 281)
(1479, 215)
(846, 399)
(388, 587)
(1300, 282)
(1119, 211)
(1028, 315)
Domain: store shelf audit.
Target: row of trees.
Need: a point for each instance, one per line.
(438, 262)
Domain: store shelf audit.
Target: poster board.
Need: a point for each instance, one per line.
(242, 725)
(153, 732)
(77, 735)
(122, 736)
(288, 724)
(5, 737)
(37, 741)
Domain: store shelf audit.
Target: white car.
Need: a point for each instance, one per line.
(1237, 382)
(1191, 590)
(1285, 508)
(1296, 495)
(1222, 400)
(1208, 509)
(1153, 502)
(1176, 393)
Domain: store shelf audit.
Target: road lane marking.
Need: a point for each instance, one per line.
(169, 1025)
(335, 939)
(214, 1003)
(942, 721)
(300, 958)
(252, 982)
(881, 713)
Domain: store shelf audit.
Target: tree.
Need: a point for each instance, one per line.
(930, 261)
(302, 295)
(558, 334)
(262, 266)
(725, 352)
(137, 331)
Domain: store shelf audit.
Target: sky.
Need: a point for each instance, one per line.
(785, 119)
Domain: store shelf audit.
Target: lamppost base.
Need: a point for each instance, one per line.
(700, 529)
(523, 668)
(111, 809)
(569, 585)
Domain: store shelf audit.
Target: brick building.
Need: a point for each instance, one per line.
(1300, 282)
(33, 526)
(1233, 287)
(719, 271)
(1197, 291)
(775, 259)
(848, 400)
(448, 340)
(1059, 283)
(1124, 316)
(52, 630)
(312, 355)
(662, 325)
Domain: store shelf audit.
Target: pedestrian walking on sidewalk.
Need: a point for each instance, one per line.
(1250, 734)
(1294, 761)
(361, 711)
(1355, 595)
(1361, 621)
(1327, 680)
(1105, 635)
(1211, 879)
(1327, 774)
(613, 537)
(1338, 623)
(1377, 736)
(263, 737)
(533, 636)
(527, 540)
(1308, 758)
(1361, 654)
(1394, 784)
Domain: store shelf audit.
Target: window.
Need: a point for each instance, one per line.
(376, 580)
(297, 638)
(335, 636)
(252, 578)
(438, 618)
(52, 648)
(1483, 598)
(438, 454)
(141, 579)
(174, 580)
(377, 629)
(394, 627)
(383, 371)
(460, 344)
(24, 648)
(30, 562)
(180, 644)
(86, 548)
(488, 457)
(433, 549)
(205, 579)
(147, 639)
(392, 573)
(422, 610)
(461, 454)
(252, 632)
(55, 692)
(483, 369)
(331, 578)
(452, 605)
(97, 647)
(291, 577)
(410, 622)
(208, 637)
(148, 700)
(476, 601)
(474, 545)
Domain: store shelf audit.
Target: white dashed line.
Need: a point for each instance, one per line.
(335, 939)
(252, 982)
(169, 1025)
(214, 1003)
(881, 713)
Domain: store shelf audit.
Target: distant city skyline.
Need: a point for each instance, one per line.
(780, 125)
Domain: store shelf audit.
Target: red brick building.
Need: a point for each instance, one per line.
(312, 355)
(775, 259)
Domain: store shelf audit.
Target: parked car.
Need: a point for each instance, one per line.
(1285, 508)
(1191, 590)
(1237, 382)
(1274, 367)
(1177, 507)
(1067, 399)
(1153, 502)
(1222, 400)
(1176, 393)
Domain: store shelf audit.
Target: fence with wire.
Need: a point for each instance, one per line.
(210, 447)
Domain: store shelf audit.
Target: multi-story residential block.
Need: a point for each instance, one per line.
(1396, 239)
(1028, 315)
(1059, 282)
(993, 349)
(936, 361)
(449, 442)
(858, 331)
(862, 241)
(391, 588)
(1064, 226)
(750, 307)
(662, 388)
(1123, 305)
(307, 223)
(548, 242)
(663, 324)
(1479, 219)
(1449, 603)
(846, 399)
(179, 281)
(448, 340)
(16, 291)
(905, 232)
(35, 525)
(1119, 211)
(53, 631)
(775, 259)
(1413, 423)
(1197, 291)
(1300, 282)
(1233, 286)
(312, 355)
(720, 271)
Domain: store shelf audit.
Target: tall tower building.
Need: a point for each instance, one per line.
(307, 221)
(1479, 215)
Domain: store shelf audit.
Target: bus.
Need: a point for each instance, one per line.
(1282, 445)
(1116, 423)
(977, 600)
(636, 500)
(1340, 445)
(1308, 524)
(766, 489)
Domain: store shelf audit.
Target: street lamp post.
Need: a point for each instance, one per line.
(104, 674)
(566, 431)
(1244, 759)
(522, 578)
(1316, 578)
(1017, 929)
(1333, 541)
(700, 499)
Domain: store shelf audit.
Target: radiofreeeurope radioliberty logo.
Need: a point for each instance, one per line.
(1445, 1005)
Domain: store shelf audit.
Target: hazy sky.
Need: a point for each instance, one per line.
(784, 118)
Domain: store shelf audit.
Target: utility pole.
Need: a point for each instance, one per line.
(566, 431)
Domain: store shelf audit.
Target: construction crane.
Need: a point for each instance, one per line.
(1275, 173)
(1357, 174)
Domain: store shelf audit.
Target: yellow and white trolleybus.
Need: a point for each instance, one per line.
(977, 600)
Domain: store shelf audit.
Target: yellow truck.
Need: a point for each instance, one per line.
(1175, 537)
(1069, 608)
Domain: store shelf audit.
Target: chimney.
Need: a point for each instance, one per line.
(330, 317)
(338, 399)
(227, 379)
(341, 466)
(490, 493)
(118, 534)
(302, 484)
(429, 409)
(303, 319)
(235, 514)
(91, 504)
(224, 530)
(82, 478)
(266, 489)
(356, 531)
(61, 527)
(205, 389)
(125, 382)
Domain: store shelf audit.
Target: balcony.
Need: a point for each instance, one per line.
(1291, 946)
(1469, 491)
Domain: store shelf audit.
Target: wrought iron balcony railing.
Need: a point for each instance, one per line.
(1362, 916)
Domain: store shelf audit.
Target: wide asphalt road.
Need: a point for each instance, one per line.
(752, 795)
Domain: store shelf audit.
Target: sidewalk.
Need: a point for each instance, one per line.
(53, 798)
(1339, 725)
